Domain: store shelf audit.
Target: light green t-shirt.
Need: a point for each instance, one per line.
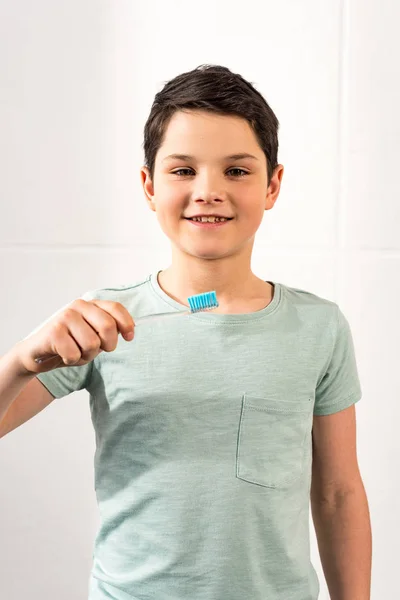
(203, 445)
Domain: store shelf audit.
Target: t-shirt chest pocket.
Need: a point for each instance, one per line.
(272, 438)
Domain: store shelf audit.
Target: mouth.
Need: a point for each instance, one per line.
(210, 219)
(209, 222)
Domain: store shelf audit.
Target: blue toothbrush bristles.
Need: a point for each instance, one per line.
(201, 302)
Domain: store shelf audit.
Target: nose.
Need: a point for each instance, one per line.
(208, 188)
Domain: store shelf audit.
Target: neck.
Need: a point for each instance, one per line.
(232, 279)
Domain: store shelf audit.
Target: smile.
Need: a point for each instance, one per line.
(208, 223)
(209, 219)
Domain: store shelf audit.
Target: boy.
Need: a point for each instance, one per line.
(214, 430)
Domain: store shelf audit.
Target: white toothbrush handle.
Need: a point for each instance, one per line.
(158, 316)
(139, 320)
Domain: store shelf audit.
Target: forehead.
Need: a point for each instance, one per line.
(191, 132)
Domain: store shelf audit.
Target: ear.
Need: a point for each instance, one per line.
(148, 187)
(274, 187)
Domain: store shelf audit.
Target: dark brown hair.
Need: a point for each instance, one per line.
(216, 89)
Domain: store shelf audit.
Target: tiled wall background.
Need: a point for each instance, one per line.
(77, 80)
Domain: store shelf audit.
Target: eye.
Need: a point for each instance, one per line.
(180, 170)
(242, 172)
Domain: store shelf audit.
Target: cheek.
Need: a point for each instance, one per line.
(169, 201)
(251, 209)
(169, 209)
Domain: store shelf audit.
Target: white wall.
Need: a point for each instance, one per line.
(77, 81)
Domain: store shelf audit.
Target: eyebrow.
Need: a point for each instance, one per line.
(239, 156)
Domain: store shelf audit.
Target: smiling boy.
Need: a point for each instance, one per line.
(203, 179)
(214, 431)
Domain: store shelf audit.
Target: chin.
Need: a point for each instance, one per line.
(210, 254)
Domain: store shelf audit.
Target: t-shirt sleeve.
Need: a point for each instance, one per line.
(66, 380)
(63, 381)
(339, 386)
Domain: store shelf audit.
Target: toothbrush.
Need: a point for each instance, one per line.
(197, 303)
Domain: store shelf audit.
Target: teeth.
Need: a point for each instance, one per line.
(209, 219)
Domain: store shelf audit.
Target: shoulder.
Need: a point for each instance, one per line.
(118, 292)
(310, 304)
(318, 316)
(139, 298)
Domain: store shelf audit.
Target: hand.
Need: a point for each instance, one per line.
(75, 336)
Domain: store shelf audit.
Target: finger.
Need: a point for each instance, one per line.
(124, 321)
(65, 343)
(106, 319)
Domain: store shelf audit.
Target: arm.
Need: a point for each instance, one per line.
(340, 508)
(12, 380)
(22, 395)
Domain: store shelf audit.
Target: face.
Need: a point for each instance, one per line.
(206, 180)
